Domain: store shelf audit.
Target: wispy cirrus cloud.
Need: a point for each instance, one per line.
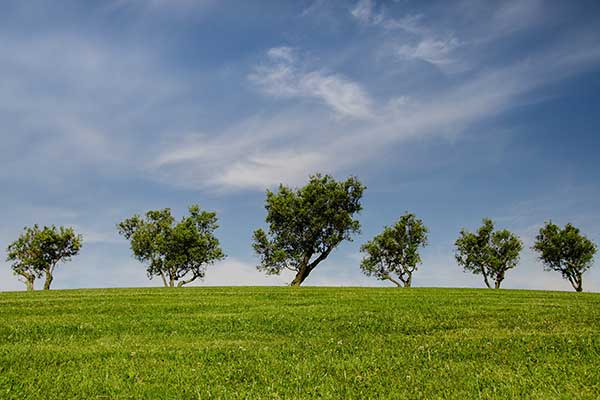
(421, 42)
(258, 152)
(365, 13)
(281, 75)
(434, 51)
(59, 106)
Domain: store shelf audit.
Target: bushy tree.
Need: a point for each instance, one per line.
(37, 252)
(488, 252)
(395, 251)
(306, 224)
(177, 252)
(566, 251)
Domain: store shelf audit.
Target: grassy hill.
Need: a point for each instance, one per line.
(281, 342)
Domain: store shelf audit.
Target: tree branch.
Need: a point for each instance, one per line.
(321, 257)
(290, 268)
(192, 279)
(389, 278)
(485, 277)
(164, 279)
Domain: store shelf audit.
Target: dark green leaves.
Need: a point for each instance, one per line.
(566, 251)
(38, 251)
(395, 251)
(306, 224)
(488, 252)
(178, 253)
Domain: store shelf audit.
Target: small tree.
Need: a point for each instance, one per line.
(178, 253)
(306, 224)
(37, 252)
(488, 252)
(395, 251)
(566, 251)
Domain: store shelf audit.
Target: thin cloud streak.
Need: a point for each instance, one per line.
(281, 76)
(331, 146)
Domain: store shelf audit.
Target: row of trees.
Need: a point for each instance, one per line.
(304, 226)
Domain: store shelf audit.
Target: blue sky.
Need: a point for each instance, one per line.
(453, 110)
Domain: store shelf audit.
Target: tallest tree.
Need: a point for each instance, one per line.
(306, 224)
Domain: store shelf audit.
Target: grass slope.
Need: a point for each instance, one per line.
(281, 342)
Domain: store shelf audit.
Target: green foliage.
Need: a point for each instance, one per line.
(315, 343)
(566, 251)
(177, 252)
(306, 224)
(488, 252)
(395, 250)
(37, 252)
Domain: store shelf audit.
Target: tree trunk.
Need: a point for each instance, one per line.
(485, 278)
(184, 282)
(576, 282)
(306, 267)
(498, 280)
(395, 282)
(48, 280)
(29, 280)
(408, 281)
(302, 274)
(164, 279)
(172, 275)
(579, 283)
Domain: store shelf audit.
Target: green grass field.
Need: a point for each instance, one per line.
(281, 342)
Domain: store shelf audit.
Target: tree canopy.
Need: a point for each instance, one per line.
(566, 251)
(306, 224)
(177, 252)
(395, 251)
(37, 252)
(489, 253)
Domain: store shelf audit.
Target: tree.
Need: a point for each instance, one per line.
(37, 252)
(306, 224)
(566, 251)
(177, 252)
(395, 251)
(489, 253)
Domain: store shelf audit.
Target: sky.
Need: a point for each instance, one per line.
(454, 111)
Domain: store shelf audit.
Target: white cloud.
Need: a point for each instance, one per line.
(365, 13)
(515, 15)
(90, 269)
(346, 97)
(269, 168)
(424, 43)
(282, 53)
(78, 108)
(281, 76)
(285, 147)
(254, 153)
(234, 272)
(435, 51)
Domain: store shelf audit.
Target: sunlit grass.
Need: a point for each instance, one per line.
(281, 342)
